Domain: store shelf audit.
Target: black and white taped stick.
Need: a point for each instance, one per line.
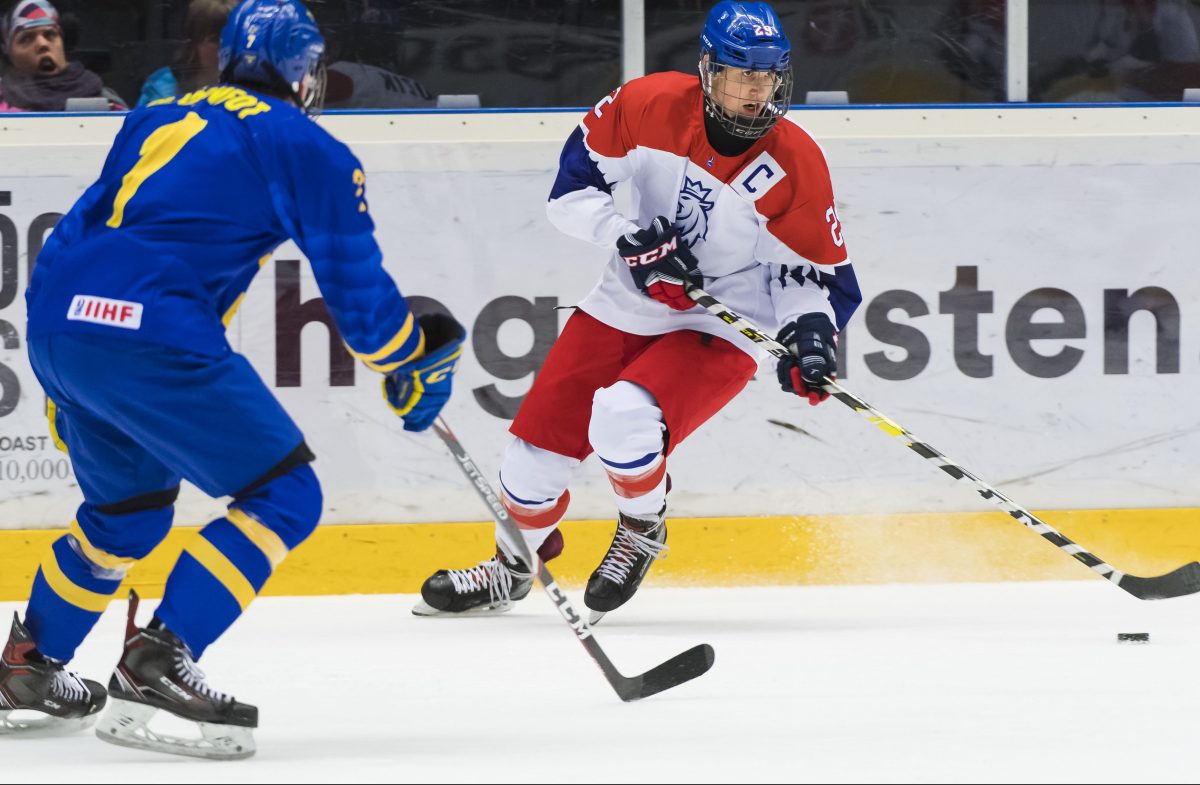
(681, 668)
(1178, 583)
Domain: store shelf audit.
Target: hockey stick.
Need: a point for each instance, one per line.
(1178, 583)
(675, 671)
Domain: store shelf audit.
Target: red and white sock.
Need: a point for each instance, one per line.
(533, 490)
(626, 431)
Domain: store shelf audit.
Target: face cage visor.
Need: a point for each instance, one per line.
(314, 88)
(731, 90)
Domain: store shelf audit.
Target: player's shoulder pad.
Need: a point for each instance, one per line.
(655, 110)
(792, 145)
(652, 89)
(293, 130)
(236, 101)
(800, 155)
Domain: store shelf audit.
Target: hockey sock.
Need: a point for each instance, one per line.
(69, 593)
(225, 566)
(218, 575)
(626, 430)
(533, 489)
(536, 519)
(640, 486)
(83, 570)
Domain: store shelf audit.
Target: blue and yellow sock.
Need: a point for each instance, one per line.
(223, 569)
(218, 575)
(74, 584)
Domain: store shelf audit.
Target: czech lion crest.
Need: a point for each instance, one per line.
(691, 217)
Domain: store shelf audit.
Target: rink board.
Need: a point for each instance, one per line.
(1030, 309)
(914, 548)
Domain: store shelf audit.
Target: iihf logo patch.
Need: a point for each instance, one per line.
(102, 310)
(691, 217)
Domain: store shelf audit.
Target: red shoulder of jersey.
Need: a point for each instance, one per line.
(800, 209)
(657, 110)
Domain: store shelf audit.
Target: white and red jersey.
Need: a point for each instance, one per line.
(762, 224)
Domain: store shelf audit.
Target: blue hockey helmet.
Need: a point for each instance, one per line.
(276, 44)
(745, 67)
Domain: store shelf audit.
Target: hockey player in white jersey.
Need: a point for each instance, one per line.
(728, 195)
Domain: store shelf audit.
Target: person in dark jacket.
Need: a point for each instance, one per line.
(37, 76)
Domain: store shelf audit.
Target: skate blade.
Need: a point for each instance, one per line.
(42, 725)
(595, 616)
(425, 610)
(126, 725)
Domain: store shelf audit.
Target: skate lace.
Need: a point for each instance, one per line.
(193, 677)
(626, 549)
(490, 574)
(69, 687)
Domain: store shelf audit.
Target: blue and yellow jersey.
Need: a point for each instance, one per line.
(196, 193)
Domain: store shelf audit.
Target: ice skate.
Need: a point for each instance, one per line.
(157, 672)
(637, 543)
(491, 587)
(38, 697)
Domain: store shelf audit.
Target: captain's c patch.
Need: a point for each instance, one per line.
(758, 177)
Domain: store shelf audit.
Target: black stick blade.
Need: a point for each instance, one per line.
(683, 667)
(1178, 583)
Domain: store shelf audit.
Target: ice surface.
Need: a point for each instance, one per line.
(937, 683)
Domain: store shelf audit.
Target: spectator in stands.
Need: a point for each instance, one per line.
(37, 75)
(1151, 47)
(197, 65)
(973, 45)
(1141, 50)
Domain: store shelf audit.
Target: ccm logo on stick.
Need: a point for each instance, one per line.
(101, 310)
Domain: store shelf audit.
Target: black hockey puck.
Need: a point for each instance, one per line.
(1133, 637)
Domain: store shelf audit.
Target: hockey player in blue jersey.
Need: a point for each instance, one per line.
(127, 308)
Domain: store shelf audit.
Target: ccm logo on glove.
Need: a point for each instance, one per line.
(662, 267)
(661, 252)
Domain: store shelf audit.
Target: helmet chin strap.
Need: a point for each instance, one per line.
(730, 122)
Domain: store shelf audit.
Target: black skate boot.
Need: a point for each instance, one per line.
(635, 546)
(156, 672)
(60, 701)
(490, 587)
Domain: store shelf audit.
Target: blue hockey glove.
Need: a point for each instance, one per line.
(810, 340)
(662, 265)
(419, 389)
